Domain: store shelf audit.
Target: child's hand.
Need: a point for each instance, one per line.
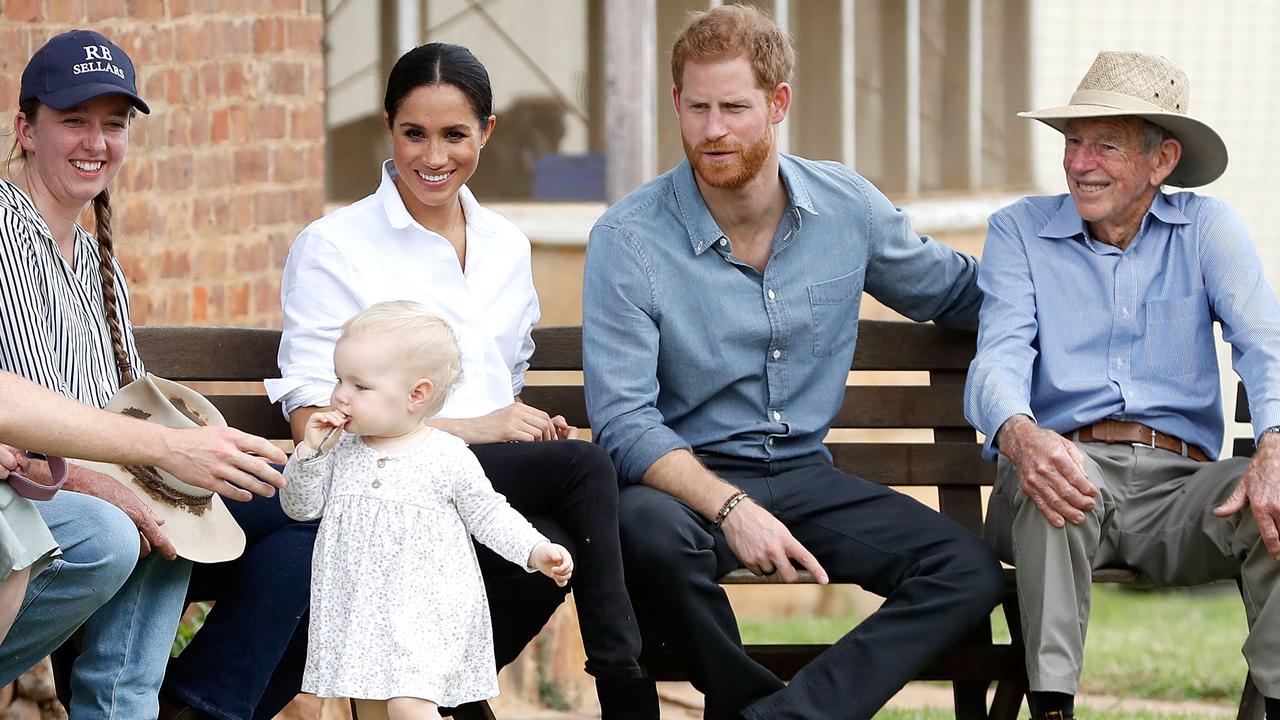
(319, 425)
(553, 561)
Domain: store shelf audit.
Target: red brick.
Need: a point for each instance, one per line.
(15, 48)
(210, 81)
(270, 207)
(179, 310)
(315, 79)
(266, 295)
(268, 35)
(306, 122)
(240, 124)
(251, 165)
(23, 10)
(242, 210)
(140, 311)
(219, 125)
(305, 34)
(199, 128)
(270, 121)
(8, 90)
(161, 41)
(238, 300)
(211, 262)
(239, 37)
(174, 172)
(65, 12)
(286, 164)
(313, 164)
(308, 202)
(213, 170)
(179, 8)
(199, 304)
(137, 172)
(235, 79)
(142, 9)
(287, 78)
(175, 264)
(100, 10)
(179, 130)
(194, 43)
(131, 218)
(251, 258)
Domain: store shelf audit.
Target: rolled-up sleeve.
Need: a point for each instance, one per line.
(999, 383)
(1245, 304)
(620, 355)
(317, 294)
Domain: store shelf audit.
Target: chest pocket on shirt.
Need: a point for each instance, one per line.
(834, 304)
(1179, 336)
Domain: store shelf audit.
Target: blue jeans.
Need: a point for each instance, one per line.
(129, 610)
(246, 661)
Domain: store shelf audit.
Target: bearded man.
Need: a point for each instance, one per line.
(720, 317)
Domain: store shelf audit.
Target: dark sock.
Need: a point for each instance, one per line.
(1043, 703)
(1273, 708)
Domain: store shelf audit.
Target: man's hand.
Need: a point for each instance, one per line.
(223, 460)
(1051, 470)
(88, 482)
(12, 460)
(1259, 488)
(765, 545)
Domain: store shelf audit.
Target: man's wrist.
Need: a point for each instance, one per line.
(1270, 437)
(729, 504)
(1010, 429)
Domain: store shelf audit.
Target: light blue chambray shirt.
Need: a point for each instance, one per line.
(686, 346)
(1074, 330)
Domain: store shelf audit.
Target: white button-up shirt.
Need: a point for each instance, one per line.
(372, 251)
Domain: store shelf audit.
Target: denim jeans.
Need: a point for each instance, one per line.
(246, 661)
(129, 610)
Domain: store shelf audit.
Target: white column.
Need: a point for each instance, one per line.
(782, 15)
(848, 87)
(912, 120)
(408, 25)
(631, 137)
(975, 95)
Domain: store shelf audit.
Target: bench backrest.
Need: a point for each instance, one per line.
(917, 383)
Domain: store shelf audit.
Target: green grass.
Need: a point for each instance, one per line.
(1166, 645)
(1091, 713)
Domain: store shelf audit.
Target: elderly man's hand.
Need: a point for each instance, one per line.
(1051, 470)
(11, 460)
(1259, 488)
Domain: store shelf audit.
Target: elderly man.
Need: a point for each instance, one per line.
(1096, 379)
(720, 317)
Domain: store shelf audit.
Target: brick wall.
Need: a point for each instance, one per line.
(229, 165)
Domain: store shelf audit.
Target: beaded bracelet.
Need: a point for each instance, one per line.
(728, 507)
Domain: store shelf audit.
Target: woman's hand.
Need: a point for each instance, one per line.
(516, 422)
(320, 424)
(553, 561)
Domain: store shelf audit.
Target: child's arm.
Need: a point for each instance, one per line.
(553, 561)
(310, 470)
(491, 520)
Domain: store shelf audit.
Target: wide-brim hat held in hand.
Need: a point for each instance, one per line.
(195, 520)
(1139, 84)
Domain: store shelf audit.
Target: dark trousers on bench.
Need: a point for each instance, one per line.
(937, 579)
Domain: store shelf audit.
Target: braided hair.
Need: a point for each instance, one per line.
(110, 293)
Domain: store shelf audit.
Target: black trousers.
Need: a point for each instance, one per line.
(938, 581)
(569, 491)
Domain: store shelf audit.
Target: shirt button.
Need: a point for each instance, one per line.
(376, 483)
(723, 242)
(777, 354)
(777, 416)
(768, 441)
(382, 463)
(1119, 362)
(1124, 312)
(771, 294)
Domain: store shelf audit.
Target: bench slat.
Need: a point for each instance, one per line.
(209, 353)
(253, 414)
(936, 464)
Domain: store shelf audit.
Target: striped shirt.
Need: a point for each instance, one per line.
(1074, 330)
(53, 327)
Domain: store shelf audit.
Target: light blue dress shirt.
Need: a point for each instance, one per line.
(686, 346)
(1074, 330)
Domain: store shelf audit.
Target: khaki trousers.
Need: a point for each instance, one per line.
(1153, 515)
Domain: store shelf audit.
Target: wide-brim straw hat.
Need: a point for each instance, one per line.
(1139, 84)
(195, 520)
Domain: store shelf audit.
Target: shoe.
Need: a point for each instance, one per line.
(627, 698)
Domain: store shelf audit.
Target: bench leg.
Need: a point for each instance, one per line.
(1252, 705)
(971, 700)
(1008, 700)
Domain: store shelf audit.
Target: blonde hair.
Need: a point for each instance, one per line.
(422, 338)
(730, 31)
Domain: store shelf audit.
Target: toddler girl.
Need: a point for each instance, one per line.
(399, 618)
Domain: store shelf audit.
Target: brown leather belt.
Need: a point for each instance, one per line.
(1119, 431)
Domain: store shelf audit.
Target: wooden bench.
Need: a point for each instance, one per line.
(916, 385)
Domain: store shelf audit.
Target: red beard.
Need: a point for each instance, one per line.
(732, 175)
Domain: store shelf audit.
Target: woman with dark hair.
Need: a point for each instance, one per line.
(64, 324)
(423, 236)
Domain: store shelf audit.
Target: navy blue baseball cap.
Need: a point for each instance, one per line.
(76, 66)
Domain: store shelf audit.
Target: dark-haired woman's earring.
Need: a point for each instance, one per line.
(481, 146)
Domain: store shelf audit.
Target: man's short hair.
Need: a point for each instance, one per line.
(732, 31)
(1153, 136)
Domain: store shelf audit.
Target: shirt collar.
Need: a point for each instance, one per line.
(17, 200)
(1067, 223)
(398, 216)
(701, 226)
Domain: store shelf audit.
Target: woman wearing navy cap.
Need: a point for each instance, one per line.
(64, 323)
